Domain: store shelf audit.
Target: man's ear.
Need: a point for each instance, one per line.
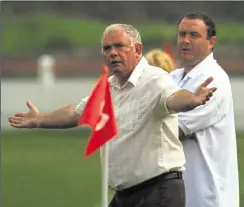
(138, 48)
(212, 42)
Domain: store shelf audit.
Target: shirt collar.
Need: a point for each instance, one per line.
(135, 75)
(137, 72)
(200, 66)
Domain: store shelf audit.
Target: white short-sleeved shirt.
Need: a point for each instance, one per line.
(211, 175)
(147, 144)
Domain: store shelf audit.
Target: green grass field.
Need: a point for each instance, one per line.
(44, 168)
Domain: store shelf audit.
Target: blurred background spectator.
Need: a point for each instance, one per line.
(159, 58)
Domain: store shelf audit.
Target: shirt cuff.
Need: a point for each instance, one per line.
(184, 129)
(79, 108)
(169, 111)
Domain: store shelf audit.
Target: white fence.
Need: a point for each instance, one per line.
(49, 94)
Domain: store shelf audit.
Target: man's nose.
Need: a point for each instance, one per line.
(186, 39)
(114, 50)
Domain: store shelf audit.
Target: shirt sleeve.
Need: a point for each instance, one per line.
(204, 116)
(167, 87)
(80, 106)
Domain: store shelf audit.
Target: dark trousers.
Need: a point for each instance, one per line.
(156, 192)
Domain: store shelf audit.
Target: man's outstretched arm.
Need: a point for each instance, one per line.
(65, 117)
(184, 100)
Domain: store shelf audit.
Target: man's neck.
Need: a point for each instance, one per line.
(187, 69)
(123, 79)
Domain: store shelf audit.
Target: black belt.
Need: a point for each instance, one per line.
(166, 176)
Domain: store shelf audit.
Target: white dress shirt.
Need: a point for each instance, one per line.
(211, 175)
(147, 144)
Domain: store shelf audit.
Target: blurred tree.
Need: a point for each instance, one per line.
(132, 11)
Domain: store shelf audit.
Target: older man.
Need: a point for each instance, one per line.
(207, 132)
(146, 158)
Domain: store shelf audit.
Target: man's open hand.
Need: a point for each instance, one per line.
(25, 119)
(202, 93)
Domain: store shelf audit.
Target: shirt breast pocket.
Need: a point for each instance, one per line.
(130, 115)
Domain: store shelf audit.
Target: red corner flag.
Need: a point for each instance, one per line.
(99, 115)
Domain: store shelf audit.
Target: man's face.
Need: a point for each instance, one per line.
(193, 44)
(120, 54)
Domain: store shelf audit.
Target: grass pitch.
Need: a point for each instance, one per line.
(47, 168)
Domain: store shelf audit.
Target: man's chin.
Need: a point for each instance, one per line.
(187, 59)
(187, 56)
(116, 69)
(115, 72)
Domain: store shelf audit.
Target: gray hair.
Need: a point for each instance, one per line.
(132, 32)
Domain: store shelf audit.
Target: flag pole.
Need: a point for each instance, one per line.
(105, 176)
